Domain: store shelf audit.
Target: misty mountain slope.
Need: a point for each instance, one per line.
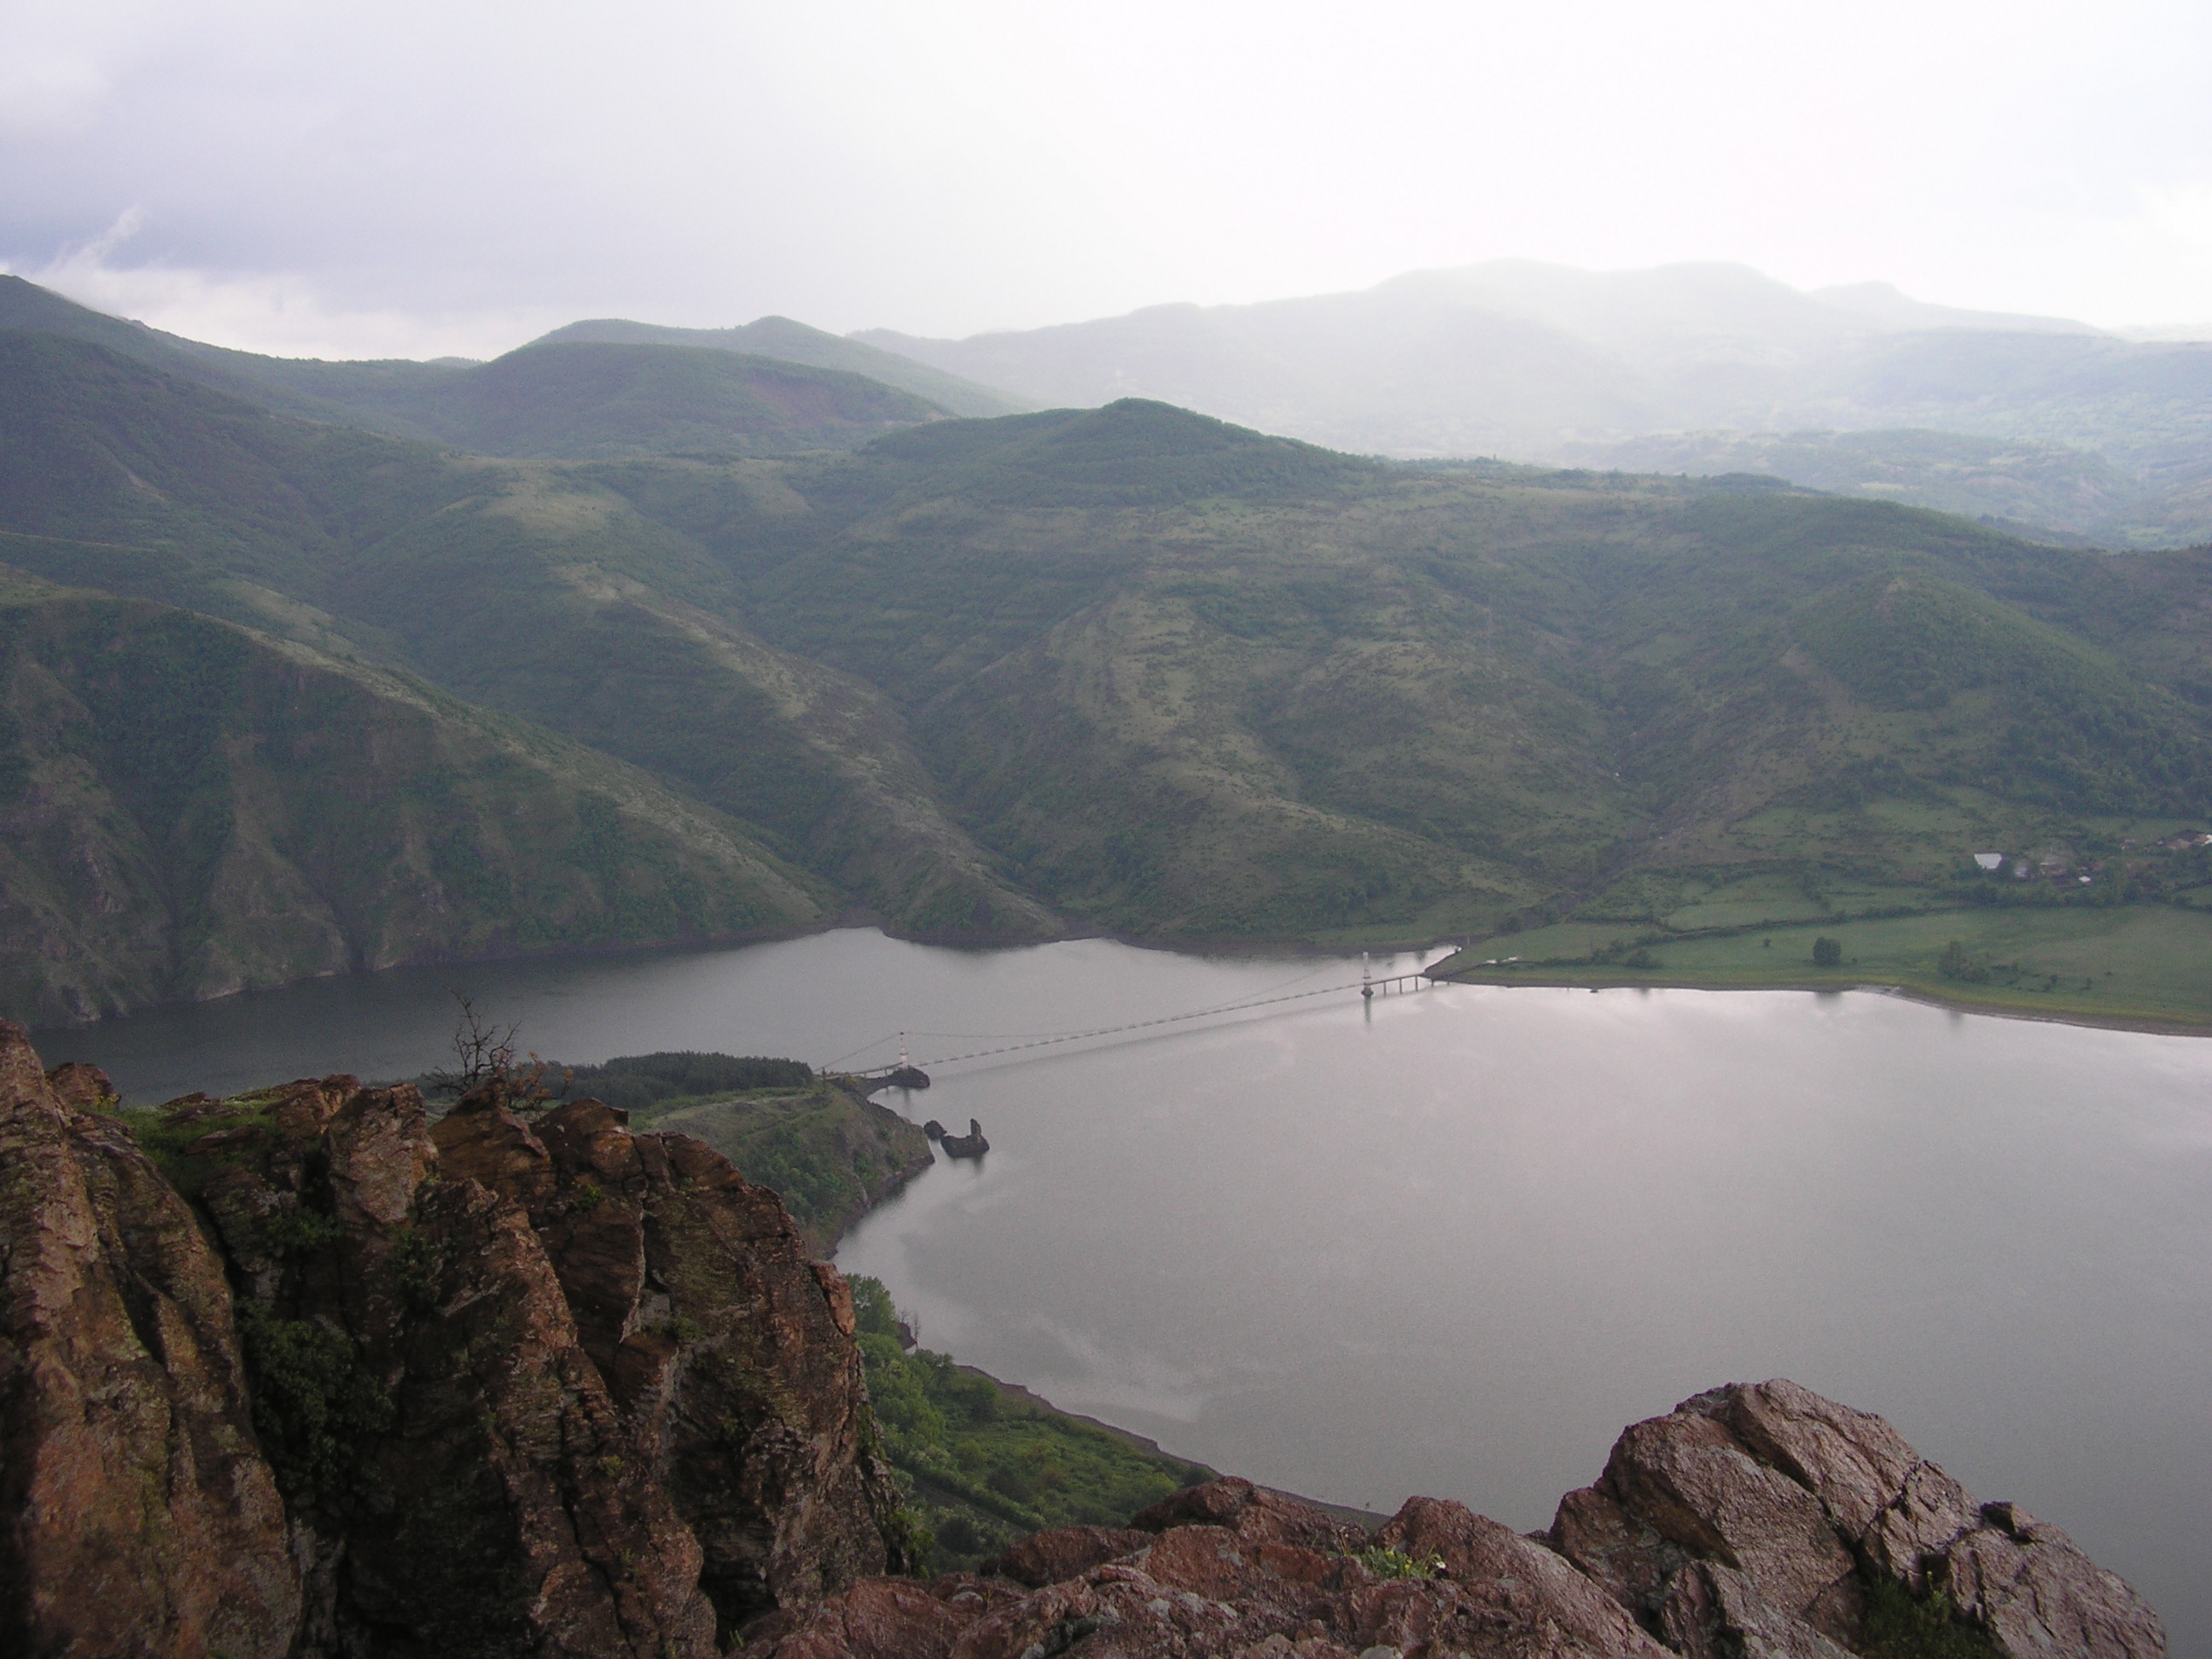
(33, 309)
(572, 399)
(191, 809)
(1406, 373)
(790, 342)
(1543, 363)
(2146, 406)
(2039, 486)
(1889, 306)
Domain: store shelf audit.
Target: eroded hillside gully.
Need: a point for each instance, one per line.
(329, 1376)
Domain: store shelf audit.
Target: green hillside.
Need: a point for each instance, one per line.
(536, 590)
(795, 342)
(191, 808)
(1135, 669)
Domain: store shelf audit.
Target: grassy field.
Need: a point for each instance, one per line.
(2123, 964)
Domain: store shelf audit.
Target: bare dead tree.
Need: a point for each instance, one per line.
(484, 1057)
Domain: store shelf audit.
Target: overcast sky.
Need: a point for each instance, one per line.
(412, 179)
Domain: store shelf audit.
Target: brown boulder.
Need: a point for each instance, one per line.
(139, 1515)
(1721, 1531)
(1255, 1514)
(81, 1087)
(1502, 1580)
(459, 1478)
(1045, 1558)
(483, 1365)
(876, 1618)
(1747, 1520)
(1696, 1484)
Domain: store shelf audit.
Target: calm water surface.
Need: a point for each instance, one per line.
(1452, 1243)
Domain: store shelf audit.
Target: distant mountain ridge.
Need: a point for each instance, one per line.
(789, 342)
(1544, 363)
(593, 390)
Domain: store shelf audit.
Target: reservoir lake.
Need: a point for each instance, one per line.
(1450, 1242)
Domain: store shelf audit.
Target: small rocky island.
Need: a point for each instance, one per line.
(301, 1374)
(971, 1145)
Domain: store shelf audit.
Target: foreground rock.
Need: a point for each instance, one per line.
(1752, 1522)
(140, 1515)
(370, 1387)
(1752, 1519)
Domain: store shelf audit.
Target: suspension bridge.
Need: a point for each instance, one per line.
(1367, 985)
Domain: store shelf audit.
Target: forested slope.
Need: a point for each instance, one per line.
(188, 809)
(1132, 668)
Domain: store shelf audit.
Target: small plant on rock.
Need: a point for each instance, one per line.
(1389, 1561)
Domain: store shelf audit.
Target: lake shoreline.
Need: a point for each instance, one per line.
(1551, 979)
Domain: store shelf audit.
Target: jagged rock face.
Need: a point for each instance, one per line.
(729, 1350)
(140, 1517)
(1748, 1520)
(443, 1416)
(460, 1480)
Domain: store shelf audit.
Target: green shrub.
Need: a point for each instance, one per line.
(1826, 953)
(1899, 1626)
(415, 1265)
(300, 1232)
(312, 1404)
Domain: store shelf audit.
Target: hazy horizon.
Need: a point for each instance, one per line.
(414, 182)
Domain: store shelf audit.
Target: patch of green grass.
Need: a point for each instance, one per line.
(985, 1465)
(2120, 964)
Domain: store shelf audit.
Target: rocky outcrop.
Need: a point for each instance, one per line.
(1752, 1522)
(971, 1145)
(371, 1387)
(140, 1517)
(728, 1349)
